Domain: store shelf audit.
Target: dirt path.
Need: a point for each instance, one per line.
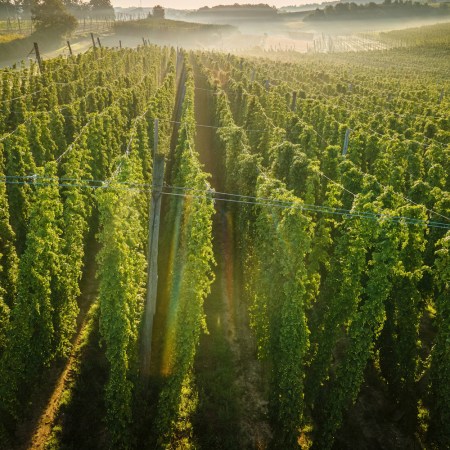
(47, 420)
(232, 412)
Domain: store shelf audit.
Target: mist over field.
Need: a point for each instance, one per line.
(325, 27)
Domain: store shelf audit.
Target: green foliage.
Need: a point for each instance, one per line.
(282, 243)
(122, 274)
(75, 113)
(37, 323)
(366, 280)
(332, 292)
(50, 16)
(19, 162)
(440, 362)
(8, 260)
(194, 258)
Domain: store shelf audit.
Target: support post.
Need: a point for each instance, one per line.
(294, 101)
(99, 43)
(70, 48)
(38, 56)
(177, 69)
(120, 45)
(143, 41)
(93, 41)
(152, 279)
(346, 141)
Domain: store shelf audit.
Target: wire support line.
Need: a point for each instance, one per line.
(213, 126)
(312, 207)
(361, 111)
(310, 127)
(394, 137)
(132, 134)
(22, 96)
(283, 83)
(214, 92)
(259, 199)
(364, 174)
(33, 180)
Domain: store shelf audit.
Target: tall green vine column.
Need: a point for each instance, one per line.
(122, 274)
(280, 285)
(400, 342)
(366, 321)
(440, 356)
(34, 337)
(192, 277)
(344, 288)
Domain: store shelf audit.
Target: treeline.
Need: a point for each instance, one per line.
(386, 10)
(80, 9)
(166, 30)
(244, 11)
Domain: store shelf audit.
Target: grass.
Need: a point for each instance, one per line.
(5, 38)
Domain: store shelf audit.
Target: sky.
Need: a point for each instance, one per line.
(195, 4)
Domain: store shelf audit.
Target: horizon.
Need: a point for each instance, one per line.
(196, 4)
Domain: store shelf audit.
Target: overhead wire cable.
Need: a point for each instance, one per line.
(33, 180)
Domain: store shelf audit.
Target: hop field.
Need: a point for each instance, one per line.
(299, 293)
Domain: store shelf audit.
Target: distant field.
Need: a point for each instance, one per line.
(166, 25)
(430, 35)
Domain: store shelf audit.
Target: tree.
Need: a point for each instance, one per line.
(159, 12)
(102, 8)
(7, 9)
(50, 16)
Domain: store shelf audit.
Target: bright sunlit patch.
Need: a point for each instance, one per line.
(229, 287)
(174, 284)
